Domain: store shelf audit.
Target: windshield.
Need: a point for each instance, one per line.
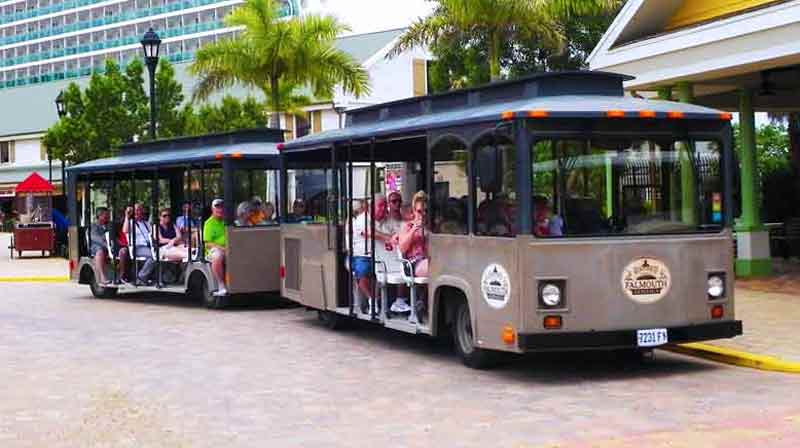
(607, 187)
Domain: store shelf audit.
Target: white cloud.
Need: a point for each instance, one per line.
(365, 16)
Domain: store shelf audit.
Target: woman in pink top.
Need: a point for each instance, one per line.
(414, 236)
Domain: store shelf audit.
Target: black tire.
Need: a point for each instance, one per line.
(98, 291)
(464, 342)
(331, 320)
(211, 301)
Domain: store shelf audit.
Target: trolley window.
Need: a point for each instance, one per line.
(311, 195)
(255, 197)
(608, 187)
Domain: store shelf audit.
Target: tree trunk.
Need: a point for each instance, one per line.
(275, 115)
(494, 57)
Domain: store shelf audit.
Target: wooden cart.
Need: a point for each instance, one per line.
(35, 230)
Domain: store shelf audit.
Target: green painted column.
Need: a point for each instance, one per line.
(609, 186)
(665, 93)
(688, 182)
(751, 215)
(753, 254)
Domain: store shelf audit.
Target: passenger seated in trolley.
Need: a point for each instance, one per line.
(141, 238)
(170, 241)
(269, 213)
(545, 223)
(298, 211)
(215, 242)
(185, 222)
(98, 245)
(413, 237)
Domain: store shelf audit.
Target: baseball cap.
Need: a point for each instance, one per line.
(216, 202)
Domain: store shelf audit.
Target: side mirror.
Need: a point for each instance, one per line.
(489, 169)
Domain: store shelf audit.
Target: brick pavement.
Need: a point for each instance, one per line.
(144, 371)
(31, 265)
(771, 324)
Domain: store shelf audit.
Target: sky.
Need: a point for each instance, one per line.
(365, 16)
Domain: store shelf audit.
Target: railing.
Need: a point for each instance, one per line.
(111, 43)
(91, 23)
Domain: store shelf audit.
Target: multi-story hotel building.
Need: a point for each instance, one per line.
(49, 40)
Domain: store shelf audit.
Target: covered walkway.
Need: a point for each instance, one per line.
(737, 55)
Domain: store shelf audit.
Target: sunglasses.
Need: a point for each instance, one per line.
(218, 206)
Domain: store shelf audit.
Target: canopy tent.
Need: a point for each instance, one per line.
(35, 184)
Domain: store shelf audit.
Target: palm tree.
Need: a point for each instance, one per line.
(498, 23)
(279, 56)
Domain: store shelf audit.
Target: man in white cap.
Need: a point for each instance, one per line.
(214, 239)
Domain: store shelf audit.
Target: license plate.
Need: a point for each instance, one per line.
(652, 337)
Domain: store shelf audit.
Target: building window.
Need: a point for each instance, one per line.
(6, 153)
(303, 125)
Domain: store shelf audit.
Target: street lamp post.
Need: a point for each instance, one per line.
(62, 112)
(151, 44)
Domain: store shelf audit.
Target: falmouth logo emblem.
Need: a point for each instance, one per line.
(495, 286)
(646, 280)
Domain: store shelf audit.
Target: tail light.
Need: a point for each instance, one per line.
(71, 266)
(717, 311)
(282, 271)
(552, 322)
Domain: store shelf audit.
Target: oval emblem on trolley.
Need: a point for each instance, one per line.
(495, 286)
(646, 280)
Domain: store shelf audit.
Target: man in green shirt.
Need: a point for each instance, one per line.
(214, 239)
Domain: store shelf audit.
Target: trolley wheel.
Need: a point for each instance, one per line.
(100, 292)
(211, 301)
(331, 320)
(471, 356)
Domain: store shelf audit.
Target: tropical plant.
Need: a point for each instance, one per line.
(113, 109)
(498, 25)
(279, 56)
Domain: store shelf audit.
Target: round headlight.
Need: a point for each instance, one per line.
(551, 295)
(716, 286)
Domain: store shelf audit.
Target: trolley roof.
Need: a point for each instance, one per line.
(249, 144)
(582, 94)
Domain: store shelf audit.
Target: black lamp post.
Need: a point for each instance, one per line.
(151, 44)
(62, 112)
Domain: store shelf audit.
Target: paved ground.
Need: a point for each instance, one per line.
(142, 371)
(770, 324)
(32, 265)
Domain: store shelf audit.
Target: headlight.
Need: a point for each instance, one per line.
(551, 295)
(716, 286)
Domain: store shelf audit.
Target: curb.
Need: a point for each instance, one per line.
(59, 279)
(736, 357)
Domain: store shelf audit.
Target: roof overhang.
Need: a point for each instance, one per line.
(714, 54)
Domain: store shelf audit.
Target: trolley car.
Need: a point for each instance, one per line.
(180, 177)
(561, 215)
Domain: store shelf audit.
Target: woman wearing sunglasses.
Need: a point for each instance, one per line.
(169, 238)
(414, 235)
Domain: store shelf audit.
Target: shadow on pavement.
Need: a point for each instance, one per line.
(250, 302)
(546, 368)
